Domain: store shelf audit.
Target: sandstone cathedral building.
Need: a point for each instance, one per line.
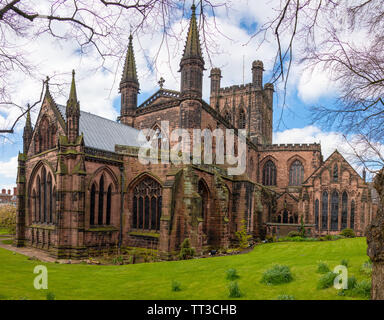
(82, 189)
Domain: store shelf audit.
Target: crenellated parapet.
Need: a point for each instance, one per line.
(291, 147)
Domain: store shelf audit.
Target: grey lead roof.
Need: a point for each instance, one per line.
(104, 134)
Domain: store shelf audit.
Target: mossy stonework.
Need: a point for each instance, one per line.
(83, 190)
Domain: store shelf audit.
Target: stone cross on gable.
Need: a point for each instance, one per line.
(161, 82)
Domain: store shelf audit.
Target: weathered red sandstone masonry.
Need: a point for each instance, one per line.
(82, 189)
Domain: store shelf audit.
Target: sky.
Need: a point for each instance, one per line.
(231, 50)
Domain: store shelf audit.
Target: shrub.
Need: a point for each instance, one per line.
(276, 275)
(348, 233)
(326, 280)
(366, 268)
(186, 252)
(344, 262)
(234, 290)
(328, 237)
(243, 236)
(118, 260)
(351, 282)
(8, 218)
(51, 296)
(285, 297)
(292, 234)
(270, 238)
(302, 228)
(232, 274)
(322, 267)
(176, 286)
(296, 239)
(362, 288)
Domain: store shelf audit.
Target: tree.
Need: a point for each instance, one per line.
(345, 39)
(97, 26)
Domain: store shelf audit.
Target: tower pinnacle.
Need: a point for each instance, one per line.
(192, 62)
(129, 71)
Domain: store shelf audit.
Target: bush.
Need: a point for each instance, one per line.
(232, 274)
(292, 234)
(326, 280)
(322, 267)
(276, 275)
(243, 236)
(51, 296)
(118, 260)
(348, 233)
(176, 286)
(8, 218)
(270, 238)
(366, 268)
(344, 262)
(328, 237)
(285, 297)
(234, 290)
(296, 239)
(186, 252)
(362, 289)
(351, 282)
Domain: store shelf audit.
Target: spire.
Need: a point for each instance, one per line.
(72, 100)
(192, 47)
(129, 72)
(28, 123)
(27, 133)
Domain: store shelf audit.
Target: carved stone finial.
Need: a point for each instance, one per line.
(161, 82)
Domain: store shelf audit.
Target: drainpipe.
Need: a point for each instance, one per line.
(121, 206)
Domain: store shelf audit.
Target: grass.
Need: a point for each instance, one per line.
(4, 231)
(202, 279)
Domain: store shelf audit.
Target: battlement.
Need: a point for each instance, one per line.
(237, 87)
(292, 147)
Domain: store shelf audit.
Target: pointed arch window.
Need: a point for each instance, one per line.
(203, 192)
(296, 173)
(92, 205)
(50, 199)
(44, 194)
(101, 201)
(317, 214)
(147, 204)
(227, 117)
(269, 173)
(38, 185)
(335, 173)
(35, 209)
(352, 217)
(335, 210)
(109, 204)
(285, 216)
(324, 211)
(242, 120)
(344, 211)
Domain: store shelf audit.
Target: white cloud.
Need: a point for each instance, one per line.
(331, 141)
(8, 168)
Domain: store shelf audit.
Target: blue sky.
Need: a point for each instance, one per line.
(98, 92)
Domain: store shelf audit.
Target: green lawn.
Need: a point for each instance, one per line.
(4, 231)
(200, 278)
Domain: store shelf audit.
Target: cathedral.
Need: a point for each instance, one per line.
(81, 188)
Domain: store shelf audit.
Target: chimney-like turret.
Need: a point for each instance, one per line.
(257, 73)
